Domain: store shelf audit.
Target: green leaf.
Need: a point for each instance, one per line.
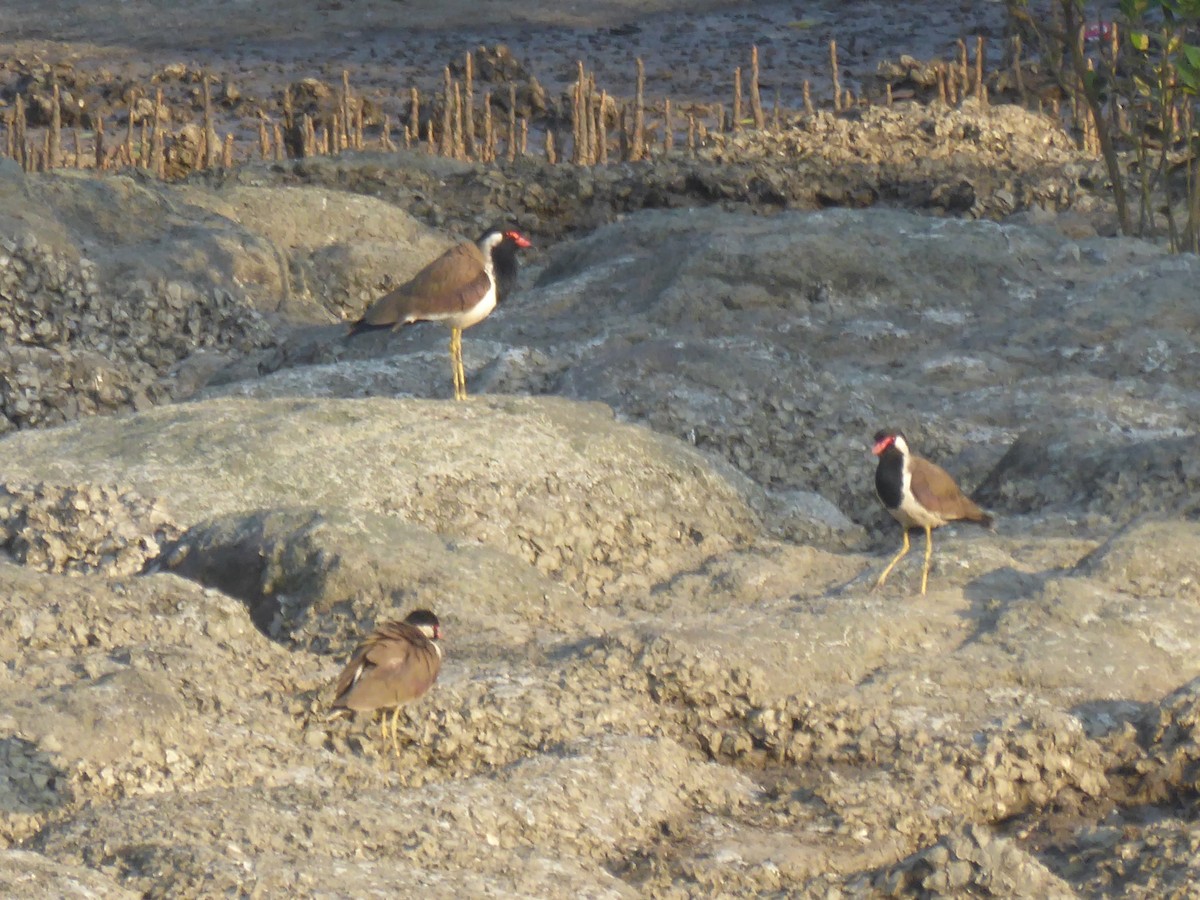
(1187, 69)
(1139, 40)
(1134, 9)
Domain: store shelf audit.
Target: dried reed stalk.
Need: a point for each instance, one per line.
(590, 135)
(414, 115)
(209, 150)
(979, 55)
(577, 126)
(637, 148)
(470, 150)
(447, 145)
(737, 100)
(129, 126)
(21, 153)
(512, 122)
(837, 82)
(54, 147)
(460, 140)
(157, 141)
(99, 142)
(489, 129)
(341, 115)
(602, 128)
(308, 140)
(756, 107)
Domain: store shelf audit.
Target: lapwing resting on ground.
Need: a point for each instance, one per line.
(396, 665)
(459, 288)
(918, 494)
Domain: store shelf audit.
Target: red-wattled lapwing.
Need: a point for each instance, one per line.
(459, 288)
(396, 665)
(918, 494)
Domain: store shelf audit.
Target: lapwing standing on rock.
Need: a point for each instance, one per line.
(459, 288)
(918, 494)
(396, 665)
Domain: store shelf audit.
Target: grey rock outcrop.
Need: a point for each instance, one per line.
(666, 673)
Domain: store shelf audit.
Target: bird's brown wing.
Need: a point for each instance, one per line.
(935, 489)
(396, 664)
(451, 283)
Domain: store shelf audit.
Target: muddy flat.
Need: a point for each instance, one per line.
(690, 48)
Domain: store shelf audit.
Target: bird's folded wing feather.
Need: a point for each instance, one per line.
(934, 488)
(395, 664)
(452, 282)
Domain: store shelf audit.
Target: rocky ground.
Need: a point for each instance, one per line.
(650, 534)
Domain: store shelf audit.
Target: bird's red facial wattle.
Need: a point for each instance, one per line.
(517, 238)
(883, 443)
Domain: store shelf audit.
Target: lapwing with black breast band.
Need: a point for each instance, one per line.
(396, 665)
(459, 289)
(918, 494)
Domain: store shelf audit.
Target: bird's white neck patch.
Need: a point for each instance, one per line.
(487, 245)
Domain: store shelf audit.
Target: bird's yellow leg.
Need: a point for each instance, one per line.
(383, 723)
(454, 362)
(395, 722)
(462, 372)
(928, 556)
(895, 559)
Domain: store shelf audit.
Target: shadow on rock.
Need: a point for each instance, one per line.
(32, 783)
(994, 591)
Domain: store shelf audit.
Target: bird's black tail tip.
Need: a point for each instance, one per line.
(361, 326)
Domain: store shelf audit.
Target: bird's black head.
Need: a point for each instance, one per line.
(425, 622)
(499, 235)
(889, 438)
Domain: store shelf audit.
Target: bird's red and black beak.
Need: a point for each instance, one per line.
(883, 443)
(519, 239)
